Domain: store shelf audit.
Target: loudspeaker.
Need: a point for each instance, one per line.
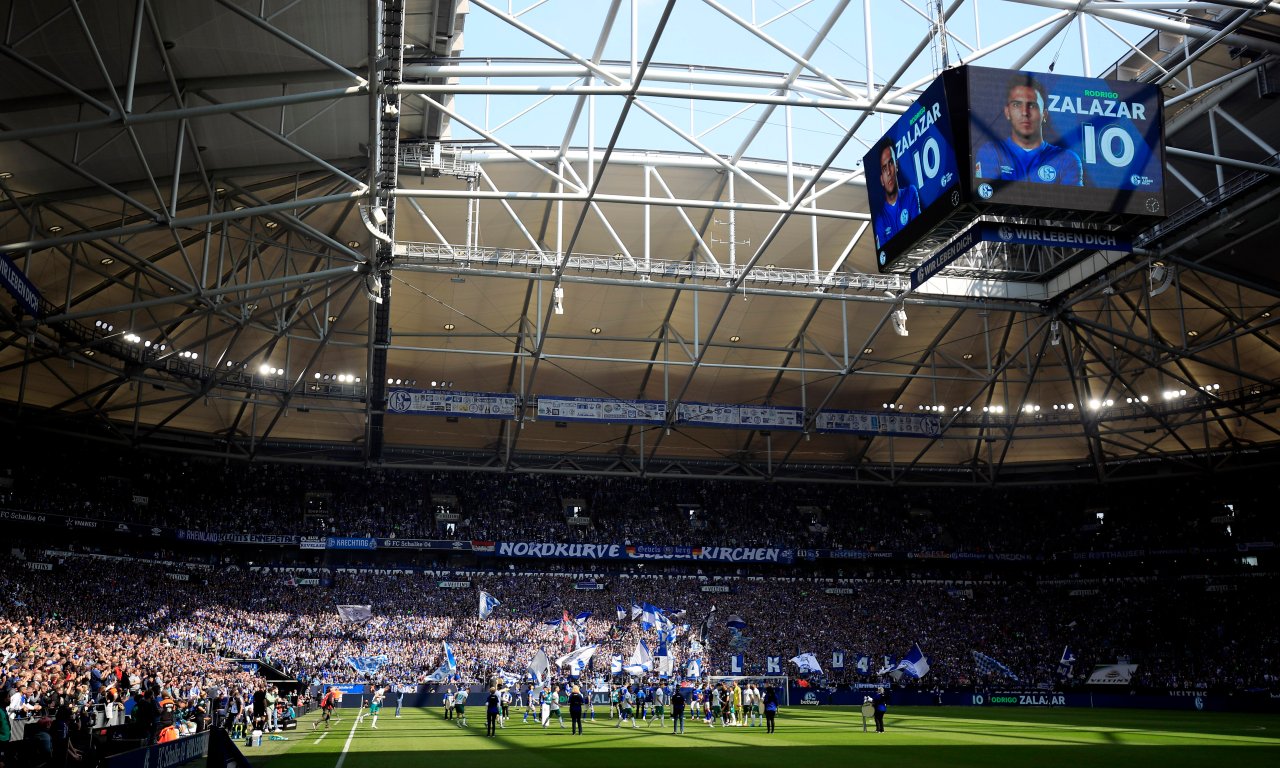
(1269, 80)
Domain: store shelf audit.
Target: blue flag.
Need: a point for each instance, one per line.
(487, 603)
(1067, 662)
(989, 666)
(450, 660)
(649, 615)
(581, 619)
(914, 664)
(622, 613)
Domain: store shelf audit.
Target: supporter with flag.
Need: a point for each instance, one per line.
(807, 663)
(354, 614)
(487, 603)
(569, 631)
(704, 631)
(1066, 663)
(989, 666)
(539, 666)
(577, 660)
(641, 660)
(915, 664)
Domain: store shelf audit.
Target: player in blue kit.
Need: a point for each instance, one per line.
(901, 203)
(1025, 155)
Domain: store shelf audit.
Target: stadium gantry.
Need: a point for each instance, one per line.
(613, 237)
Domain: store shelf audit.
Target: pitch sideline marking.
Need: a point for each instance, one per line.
(342, 757)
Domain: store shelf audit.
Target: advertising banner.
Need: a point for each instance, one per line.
(19, 286)
(748, 416)
(868, 423)
(1112, 674)
(445, 403)
(632, 552)
(599, 409)
(1064, 142)
(909, 170)
(350, 542)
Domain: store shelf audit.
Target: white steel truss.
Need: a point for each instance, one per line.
(228, 217)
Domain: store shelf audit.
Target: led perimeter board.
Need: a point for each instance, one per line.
(1052, 148)
(1066, 143)
(913, 172)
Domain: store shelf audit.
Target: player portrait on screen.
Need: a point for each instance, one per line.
(1024, 155)
(901, 202)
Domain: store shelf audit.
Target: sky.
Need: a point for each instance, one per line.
(700, 35)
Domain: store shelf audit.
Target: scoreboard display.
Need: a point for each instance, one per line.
(908, 170)
(1037, 146)
(1065, 142)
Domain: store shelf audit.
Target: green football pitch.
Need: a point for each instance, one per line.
(805, 738)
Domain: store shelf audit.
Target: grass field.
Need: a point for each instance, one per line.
(805, 738)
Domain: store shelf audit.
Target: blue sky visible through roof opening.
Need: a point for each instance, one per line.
(705, 38)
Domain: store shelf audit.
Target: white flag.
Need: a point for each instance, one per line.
(641, 657)
(539, 666)
(807, 662)
(355, 613)
(577, 660)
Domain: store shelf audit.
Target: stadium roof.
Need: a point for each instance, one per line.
(201, 193)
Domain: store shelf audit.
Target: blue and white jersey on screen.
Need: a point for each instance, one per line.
(893, 217)
(1046, 164)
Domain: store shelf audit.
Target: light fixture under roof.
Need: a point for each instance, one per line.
(967, 356)
(595, 331)
(5, 175)
(271, 224)
(867, 350)
(333, 318)
(251, 307)
(735, 338)
(55, 228)
(1193, 334)
(449, 326)
(106, 261)
(353, 243)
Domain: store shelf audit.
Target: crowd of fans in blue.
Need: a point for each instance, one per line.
(99, 622)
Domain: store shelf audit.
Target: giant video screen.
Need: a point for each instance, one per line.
(1063, 142)
(909, 169)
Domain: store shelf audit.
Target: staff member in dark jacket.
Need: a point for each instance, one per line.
(770, 706)
(575, 710)
(677, 711)
(881, 703)
(491, 709)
